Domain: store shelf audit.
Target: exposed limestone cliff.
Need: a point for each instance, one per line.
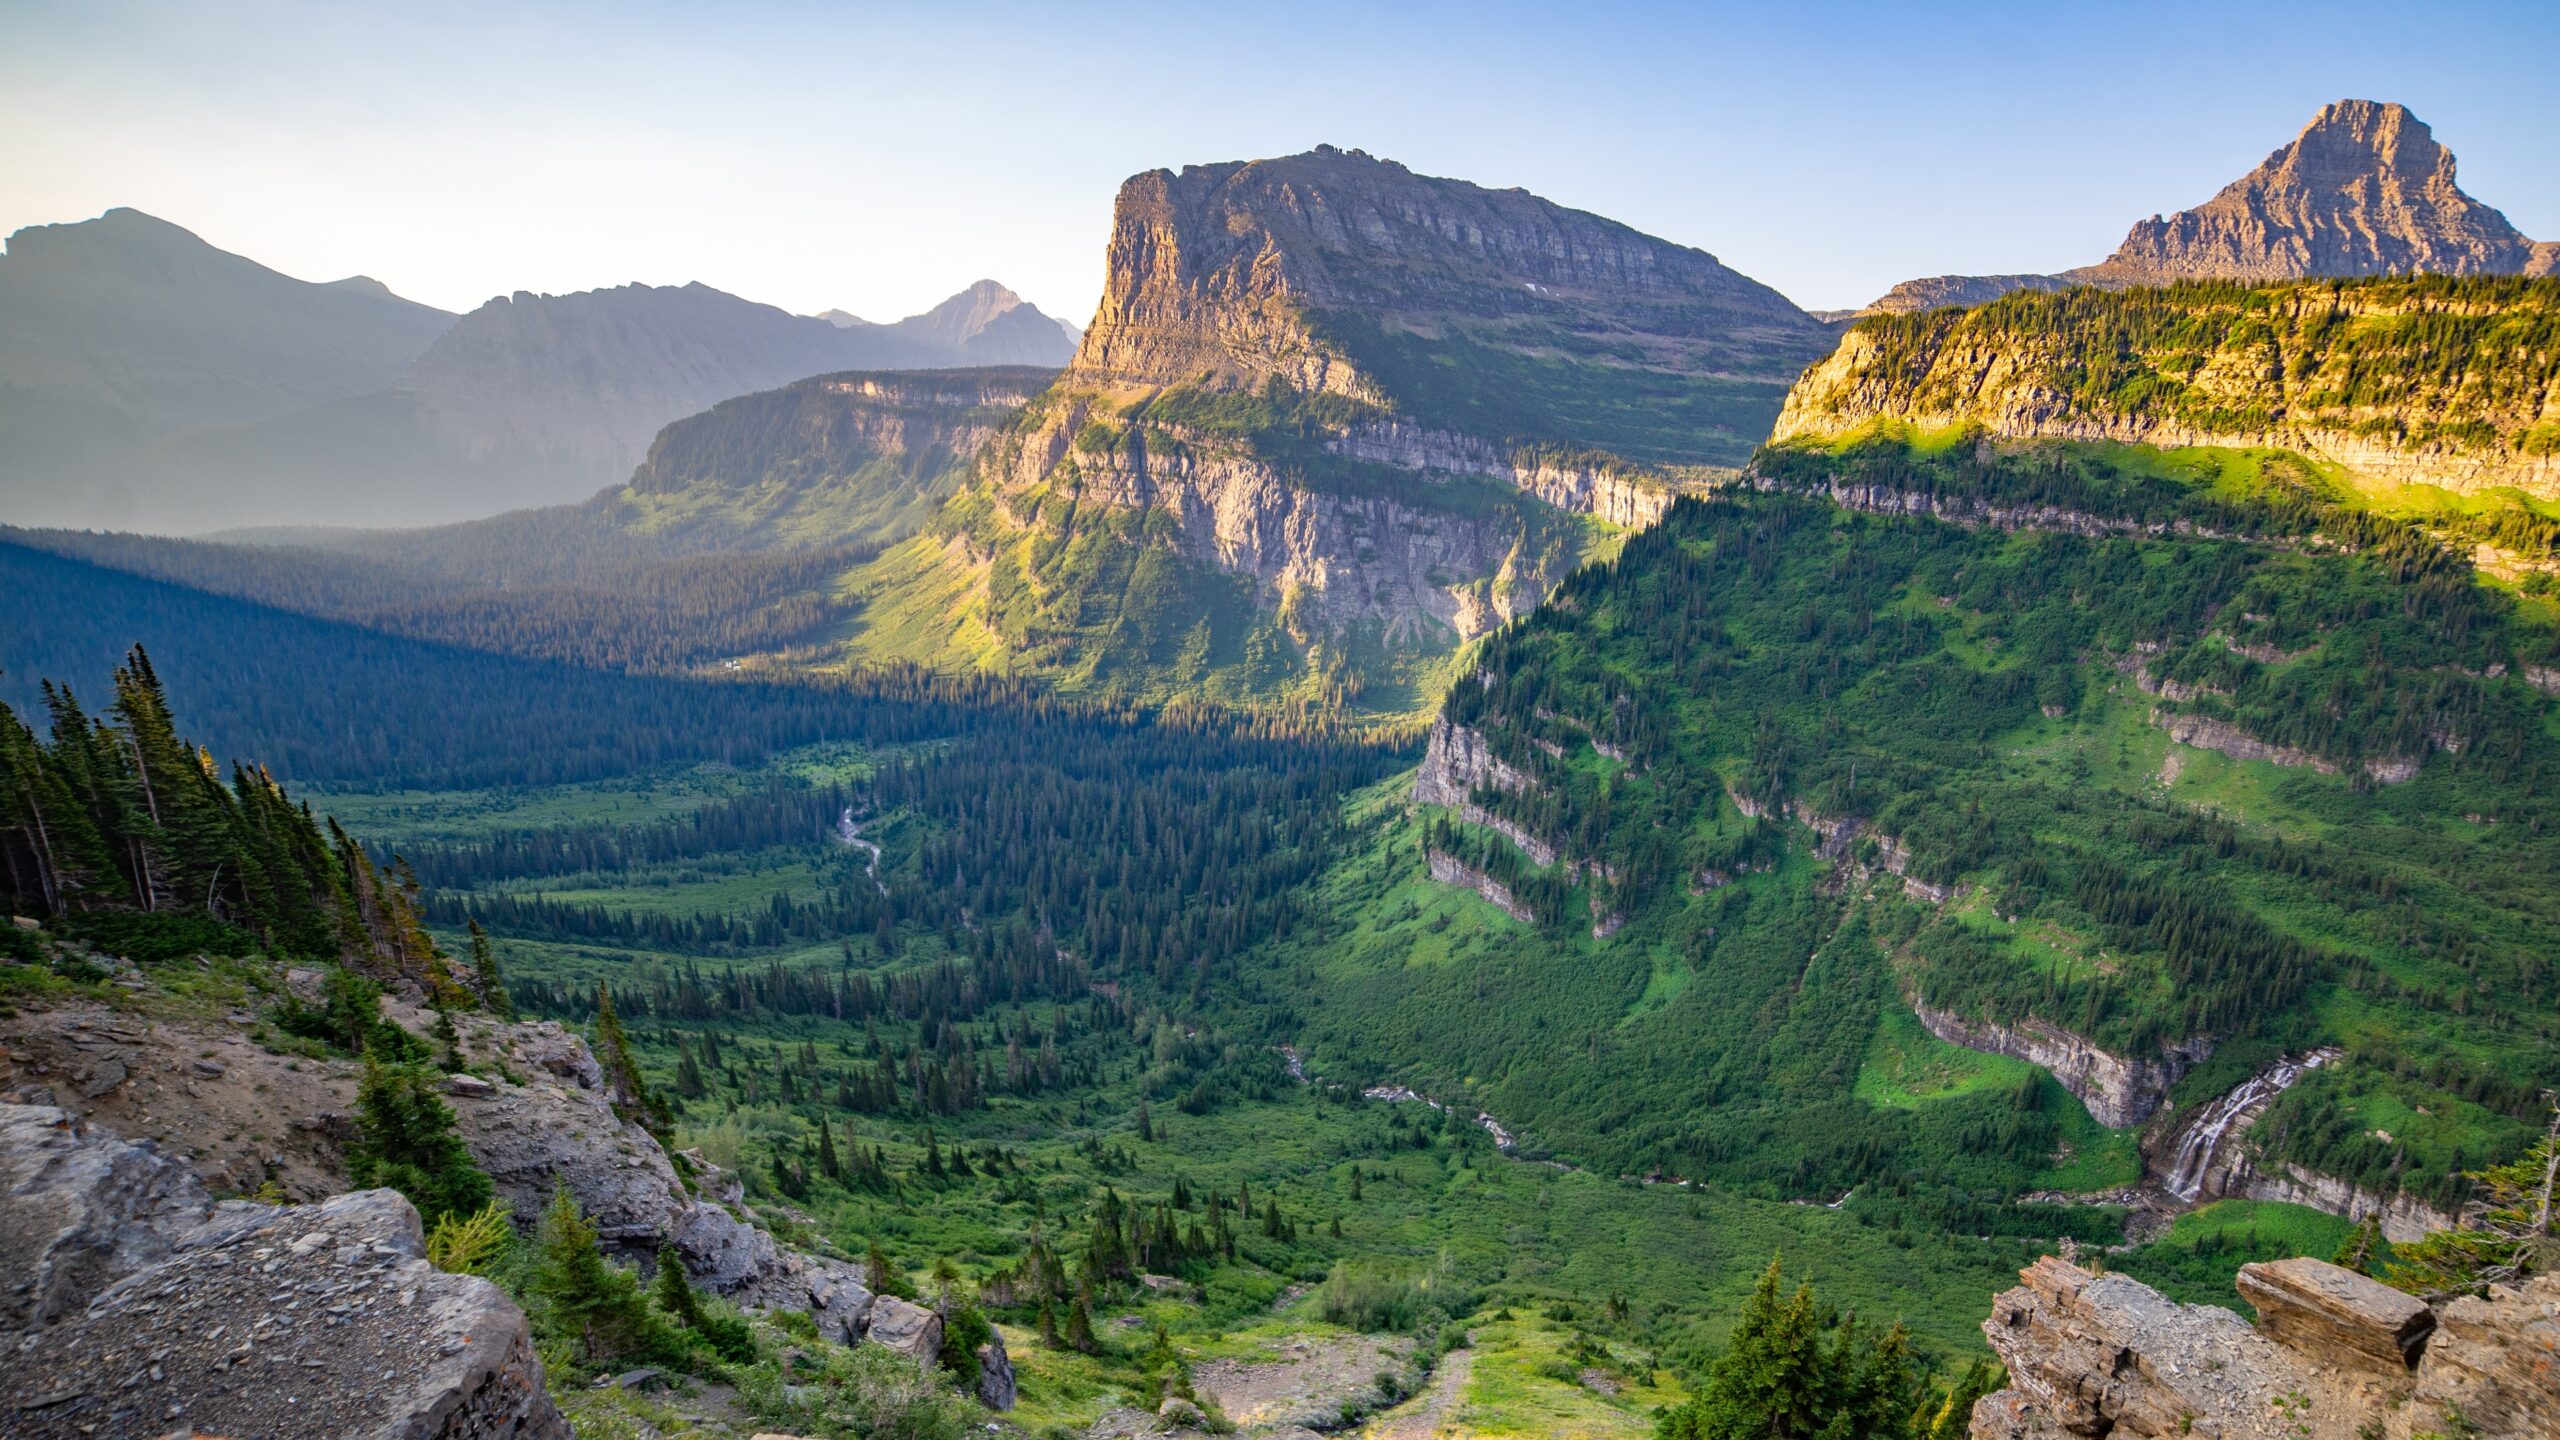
(1455, 764)
(2329, 370)
(1450, 870)
(2335, 1356)
(2120, 1092)
(139, 1306)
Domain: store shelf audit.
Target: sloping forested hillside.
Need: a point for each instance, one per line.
(2170, 767)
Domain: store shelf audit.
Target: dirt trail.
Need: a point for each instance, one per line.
(1434, 1412)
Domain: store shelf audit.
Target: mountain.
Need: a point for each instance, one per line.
(1333, 418)
(2365, 189)
(149, 381)
(530, 398)
(119, 331)
(985, 324)
(835, 460)
(2435, 381)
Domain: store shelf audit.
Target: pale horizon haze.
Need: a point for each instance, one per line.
(879, 158)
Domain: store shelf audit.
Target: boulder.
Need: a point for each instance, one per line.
(82, 1207)
(267, 1320)
(906, 1327)
(2336, 1315)
(1178, 1414)
(2497, 1360)
(996, 1388)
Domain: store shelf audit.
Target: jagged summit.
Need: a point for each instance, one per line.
(2365, 189)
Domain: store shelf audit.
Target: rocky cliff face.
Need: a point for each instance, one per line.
(2365, 189)
(1386, 401)
(1226, 271)
(2335, 1356)
(138, 1306)
(2120, 1091)
(2344, 384)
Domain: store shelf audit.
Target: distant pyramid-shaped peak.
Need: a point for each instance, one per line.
(2365, 189)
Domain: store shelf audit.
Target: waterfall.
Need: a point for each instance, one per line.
(2197, 1147)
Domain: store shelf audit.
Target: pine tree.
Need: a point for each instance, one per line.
(579, 1296)
(827, 1164)
(493, 984)
(406, 1141)
(632, 1097)
(728, 1335)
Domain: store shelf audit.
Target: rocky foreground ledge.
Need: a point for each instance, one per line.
(134, 1305)
(2334, 1356)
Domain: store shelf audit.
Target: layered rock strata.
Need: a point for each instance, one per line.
(2120, 1091)
(2335, 1356)
(142, 1307)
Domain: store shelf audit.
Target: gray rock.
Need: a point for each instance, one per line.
(906, 1327)
(82, 1207)
(191, 1314)
(996, 1389)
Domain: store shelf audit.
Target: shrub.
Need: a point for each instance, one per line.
(1365, 1297)
(472, 1244)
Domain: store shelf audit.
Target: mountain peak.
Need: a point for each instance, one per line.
(1213, 270)
(2364, 189)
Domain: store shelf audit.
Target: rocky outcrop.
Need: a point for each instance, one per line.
(2013, 372)
(2365, 189)
(2336, 1356)
(836, 460)
(1268, 372)
(545, 1119)
(1593, 485)
(1423, 569)
(996, 1387)
(2321, 1309)
(560, 1129)
(906, 1327)
(1448, 869)
(239, 1319)
(2120, 1092)
(1455, 764)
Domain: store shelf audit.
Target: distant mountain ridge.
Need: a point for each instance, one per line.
(151, 381)
(119, 331)
(2364, 189)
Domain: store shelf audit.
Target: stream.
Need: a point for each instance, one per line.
(851, 834)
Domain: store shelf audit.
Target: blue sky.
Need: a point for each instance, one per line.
(879, 157)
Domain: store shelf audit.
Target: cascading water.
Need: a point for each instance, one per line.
(2197, 1147)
